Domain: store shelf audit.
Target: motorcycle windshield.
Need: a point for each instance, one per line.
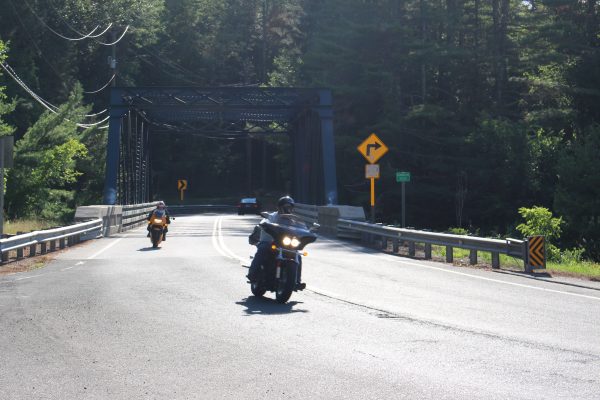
(291, 221)
(159, 213)
(288, 226)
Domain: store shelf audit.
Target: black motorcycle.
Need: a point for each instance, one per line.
(282, 272)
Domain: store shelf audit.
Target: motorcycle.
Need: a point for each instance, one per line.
(282, 272)
(158, 224)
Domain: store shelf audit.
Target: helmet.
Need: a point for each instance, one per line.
(161, 204)
(285, 204)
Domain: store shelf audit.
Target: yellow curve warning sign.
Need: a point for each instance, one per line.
(537, 252)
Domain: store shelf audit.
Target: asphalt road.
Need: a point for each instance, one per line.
(115, 319)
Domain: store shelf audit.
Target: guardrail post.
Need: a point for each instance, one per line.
(43, 249)
(428, 251)
(473, 257)
(411, 249)
(395, 245)
(496, 260)
(52, 245)
(61, 243)
(32, 250)
(449, 254)
(19, 253)
(384, 243)
(5, 256)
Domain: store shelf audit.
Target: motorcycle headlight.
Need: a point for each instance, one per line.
(158, 221)
(288, 241)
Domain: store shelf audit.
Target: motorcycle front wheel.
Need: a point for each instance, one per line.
(258, 289)
(286, 283)
(156, 236)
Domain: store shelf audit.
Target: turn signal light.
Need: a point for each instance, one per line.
(305, 254)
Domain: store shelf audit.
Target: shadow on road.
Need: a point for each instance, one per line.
(266, 306)
(149, 248)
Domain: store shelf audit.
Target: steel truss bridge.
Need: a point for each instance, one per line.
(305, 115)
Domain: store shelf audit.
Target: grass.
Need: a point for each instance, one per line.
(26, 225)
(581, 269)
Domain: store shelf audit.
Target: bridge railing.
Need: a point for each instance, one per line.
(338, 221)
(387, 235)
(42, 242)
(349, 222)
(135, 215)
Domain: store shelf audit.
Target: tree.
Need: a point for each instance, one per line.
(43, 180)
(539, 221)
(5, 107)
(577, 195)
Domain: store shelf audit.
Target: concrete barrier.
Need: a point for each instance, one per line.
(112, 217)
(330, 215)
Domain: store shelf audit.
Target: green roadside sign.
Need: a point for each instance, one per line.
(402, 176)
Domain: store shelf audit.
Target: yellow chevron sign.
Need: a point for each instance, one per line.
(537, 252)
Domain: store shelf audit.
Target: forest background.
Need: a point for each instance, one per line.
(492, 106)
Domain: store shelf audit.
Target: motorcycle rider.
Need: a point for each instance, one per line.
(160, 206)
(285, 205)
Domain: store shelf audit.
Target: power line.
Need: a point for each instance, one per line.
(72, 28)
(116, 41)
(41, 55)
(86, 36)
(103, 87)
(49, 106)
(55, 32)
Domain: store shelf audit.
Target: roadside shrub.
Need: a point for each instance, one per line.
(539, 221)
(458, 231)
(572, 256)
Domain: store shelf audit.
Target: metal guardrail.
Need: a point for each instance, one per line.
(511, 247)
(135, 214)
(308, 213)
(46, 239)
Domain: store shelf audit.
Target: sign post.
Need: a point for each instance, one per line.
(181, 186)
(403, 177)
(372, 149)
(6, 161)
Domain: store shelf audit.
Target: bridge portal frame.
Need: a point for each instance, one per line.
(308, 111)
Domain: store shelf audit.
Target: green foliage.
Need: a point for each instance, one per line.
(577, 195)
(5, 108)
(43, 181)
(489, 105)
(539, 221)
(458, 231)
(572, 256)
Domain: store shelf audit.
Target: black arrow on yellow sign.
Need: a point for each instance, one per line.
(537, 253)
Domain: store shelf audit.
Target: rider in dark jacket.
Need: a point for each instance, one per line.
(285, 205)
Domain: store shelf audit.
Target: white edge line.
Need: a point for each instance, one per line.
(483, 278)
(222, 243)
(104, 249)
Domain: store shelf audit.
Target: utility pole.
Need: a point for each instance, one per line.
(263, 73)
(112, 60)
(6, 161)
